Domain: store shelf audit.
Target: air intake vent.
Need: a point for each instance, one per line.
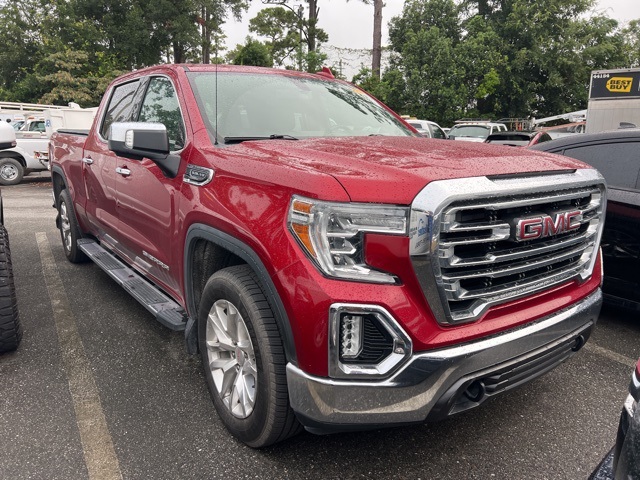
(493, 247)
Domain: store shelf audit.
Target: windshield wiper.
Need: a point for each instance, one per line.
(248, 139)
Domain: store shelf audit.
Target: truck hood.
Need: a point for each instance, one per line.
(394, 169)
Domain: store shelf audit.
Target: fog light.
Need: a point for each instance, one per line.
(365, 342)
(351, 336)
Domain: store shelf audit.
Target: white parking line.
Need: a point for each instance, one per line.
(611, 355)
(97, 445)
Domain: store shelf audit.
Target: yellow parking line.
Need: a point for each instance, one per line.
(97, 445)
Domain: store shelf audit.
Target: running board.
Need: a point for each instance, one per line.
(166, 311)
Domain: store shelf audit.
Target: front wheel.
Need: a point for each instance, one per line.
(243, 358)
(11, 171)
(69, 228)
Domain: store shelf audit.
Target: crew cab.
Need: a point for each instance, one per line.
(334, 270)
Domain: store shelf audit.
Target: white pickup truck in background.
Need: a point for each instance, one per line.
(32, 139)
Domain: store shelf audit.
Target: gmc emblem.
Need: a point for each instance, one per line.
(545, 226)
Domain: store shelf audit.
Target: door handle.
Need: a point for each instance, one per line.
(125, 172)
(87, 160)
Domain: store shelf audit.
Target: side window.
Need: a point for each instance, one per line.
(545, 137)
(437, 132)
(161, 105)
(119, 108)
(37, 126)
(618, 162)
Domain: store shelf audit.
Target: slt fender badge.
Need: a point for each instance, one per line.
(199, 176)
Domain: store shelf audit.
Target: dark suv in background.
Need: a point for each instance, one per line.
(616, 154)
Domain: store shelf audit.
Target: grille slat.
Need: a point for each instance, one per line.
(514, 268)
(525, 202)
(517, 254)
(542, 280)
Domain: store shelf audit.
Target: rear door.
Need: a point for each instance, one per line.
(99, 165)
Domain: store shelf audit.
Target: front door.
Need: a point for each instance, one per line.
(146, 196)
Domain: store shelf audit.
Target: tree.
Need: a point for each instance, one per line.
(312, 59)
(500, 58)
(106, 37)
(66, 78)
(423, 42)
(253, 52)
(631, 36)
(281, 28)
(212, 14)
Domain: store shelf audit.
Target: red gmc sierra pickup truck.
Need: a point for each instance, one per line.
(334, 270)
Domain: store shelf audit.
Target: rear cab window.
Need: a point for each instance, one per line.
(120, 106)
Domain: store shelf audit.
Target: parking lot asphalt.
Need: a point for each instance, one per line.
(99, 390)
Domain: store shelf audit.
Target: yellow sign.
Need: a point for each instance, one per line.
(619, 84)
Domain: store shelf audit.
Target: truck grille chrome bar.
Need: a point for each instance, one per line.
(480, 242)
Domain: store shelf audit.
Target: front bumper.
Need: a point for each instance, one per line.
(435, 384)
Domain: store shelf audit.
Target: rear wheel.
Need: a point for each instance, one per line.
(243, 358)
(10, 330)
(69, 228)
(11, 171)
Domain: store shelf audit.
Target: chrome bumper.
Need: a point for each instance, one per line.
(435, 384)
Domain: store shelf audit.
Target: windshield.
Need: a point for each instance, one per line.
(477, 131)
(255, 105)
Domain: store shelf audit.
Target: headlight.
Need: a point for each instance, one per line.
(332, 234)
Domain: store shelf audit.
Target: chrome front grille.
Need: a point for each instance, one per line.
(491, 240)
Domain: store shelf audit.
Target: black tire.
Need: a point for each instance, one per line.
(11, 171)
(10, 330)
(70, 231)
(255, 360)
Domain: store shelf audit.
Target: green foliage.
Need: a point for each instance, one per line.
(389, 89)
(281, 27)
(631, 35)
(314, 61)
(255, 53)
(66, 78)
(70, 49)
(502, 58)
(293, 41)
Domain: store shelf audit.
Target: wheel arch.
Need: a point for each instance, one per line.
(15, 155)
(221, 250)
(58, 182)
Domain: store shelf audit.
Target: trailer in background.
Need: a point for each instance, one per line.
(614, 100)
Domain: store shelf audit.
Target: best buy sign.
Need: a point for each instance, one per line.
(619, 84)
(612, 84)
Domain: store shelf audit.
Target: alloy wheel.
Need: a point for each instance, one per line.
(231, 358)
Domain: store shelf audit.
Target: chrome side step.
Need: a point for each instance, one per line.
(166, 311)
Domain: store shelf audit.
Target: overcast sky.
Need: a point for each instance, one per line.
(350, 24)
